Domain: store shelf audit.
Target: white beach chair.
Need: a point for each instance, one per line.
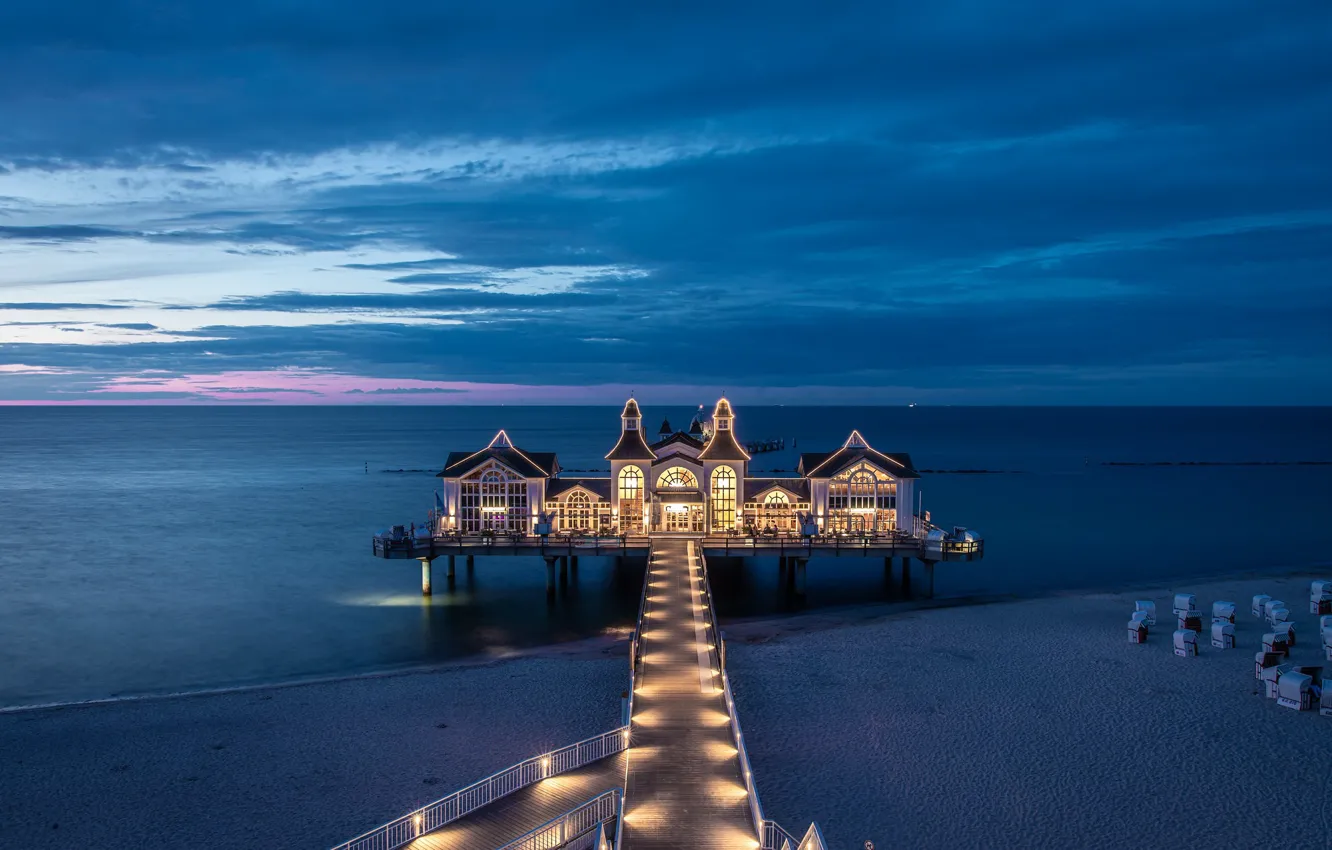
(1137, 629)
(1148, 608)
(1295, 690)
(1186, 642)
(1280, 615)
(1325, 622)
(1287, 629)
(1263, 661)
(1271, 678)
(1274, 642)
(1269, 605)
(1223, 612)
(1190, 620)
(1185, 602)
(1317, 588)
(1321, 602)
(1325, 706)
(1327, 642)
(1259, 605)
(1223, 635)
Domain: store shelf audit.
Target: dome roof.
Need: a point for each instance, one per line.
(723, 408)
(665, 427)
(631, 410)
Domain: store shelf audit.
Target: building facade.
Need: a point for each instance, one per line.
(693, 481)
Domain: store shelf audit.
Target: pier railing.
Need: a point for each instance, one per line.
(771, 836)
(442, 812)
(573, 830)
(464, 544)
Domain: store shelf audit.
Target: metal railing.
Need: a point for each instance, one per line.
(462, 544)
(578, 826)
(790, 545)
(771, 836)
(635, 656)
(442, 812)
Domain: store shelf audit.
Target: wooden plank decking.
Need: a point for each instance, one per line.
(684, 788)
(524, 810)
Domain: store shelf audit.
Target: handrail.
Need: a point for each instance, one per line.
(635, 646)
(565, 830)
(755, 807)
(448, 809)
(771, 836)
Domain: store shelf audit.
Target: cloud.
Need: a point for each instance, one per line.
(935, 199)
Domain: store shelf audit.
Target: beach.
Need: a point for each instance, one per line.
(1035, 724)
(299, 766)
(1017, 723)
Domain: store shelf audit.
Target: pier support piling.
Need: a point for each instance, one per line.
(929, 571)
(471, 561)
(906, 577)
(550, 575)
(449, 572)
(564, 568)
(800, 575)
(425, 576)
(573, 564)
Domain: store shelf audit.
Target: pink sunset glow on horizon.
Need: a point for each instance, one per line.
(322, 387)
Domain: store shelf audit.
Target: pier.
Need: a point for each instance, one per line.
(676, 774)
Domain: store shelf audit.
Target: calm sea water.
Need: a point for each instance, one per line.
(148, 550)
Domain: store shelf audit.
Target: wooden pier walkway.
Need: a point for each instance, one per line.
(517, 814)
(683, 787)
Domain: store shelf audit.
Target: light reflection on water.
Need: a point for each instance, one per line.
(213, 547)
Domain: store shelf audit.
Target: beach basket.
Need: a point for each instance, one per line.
(1223, 635)
(1147, 608)
(1186, 643)
(1260, 605)
(1223, 612)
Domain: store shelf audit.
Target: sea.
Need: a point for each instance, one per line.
(152, 550)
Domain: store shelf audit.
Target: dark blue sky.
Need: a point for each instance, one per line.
(966, 202)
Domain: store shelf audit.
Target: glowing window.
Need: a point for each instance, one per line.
(677, 476)
(723, 498)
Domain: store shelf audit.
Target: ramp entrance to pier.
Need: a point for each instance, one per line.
(683, 784)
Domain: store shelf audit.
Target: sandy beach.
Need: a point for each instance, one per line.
(1035, 724)
(298, 766)
(1039, 709)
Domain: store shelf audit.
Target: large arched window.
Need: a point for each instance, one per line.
(677, 476)
(723, 498)
(578, 511)
(496, 500)
(862, 499)
(631, 499)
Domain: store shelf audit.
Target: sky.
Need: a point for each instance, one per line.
(954, 202)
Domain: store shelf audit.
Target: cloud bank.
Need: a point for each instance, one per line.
(965, 202)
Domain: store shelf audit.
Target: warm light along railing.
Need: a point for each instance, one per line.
(461, 803)
(770, 835)
(575, 829)
(635, 648)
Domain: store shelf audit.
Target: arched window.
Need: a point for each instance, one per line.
(863, 491)
(631, 499)
(777, 499)
(862, 499)
(723, 498)
(494, 500)
(677, 476)
(578, 511)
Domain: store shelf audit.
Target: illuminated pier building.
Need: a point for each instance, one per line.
(693, 481)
